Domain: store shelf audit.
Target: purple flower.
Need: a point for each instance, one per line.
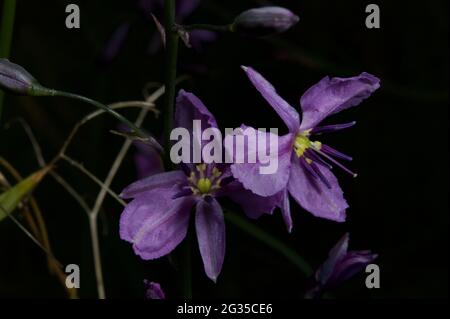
(304, 168)
(153, 290)
(340, 266)
(157, 218)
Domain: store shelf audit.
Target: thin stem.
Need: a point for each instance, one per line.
(34, 239)
(169, 105)
(170, 74)
(94, 178)
(118, 116)
(99, 201)
(209, 27)
(271, 241)
(6, 33)
(97, 256)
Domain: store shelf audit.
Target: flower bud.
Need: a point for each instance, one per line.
(264, 21)
(16, 79)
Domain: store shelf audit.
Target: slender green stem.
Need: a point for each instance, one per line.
(210, 27)
(169, 105)
(170, 74)
(121, 118)
(6, 33)
(271, 241)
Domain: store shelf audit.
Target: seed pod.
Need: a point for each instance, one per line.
(16, 79)
(264, 21)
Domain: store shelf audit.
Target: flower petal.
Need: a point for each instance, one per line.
(164, 180)
(249, 174)
(314, 196)
(154, 224)
(287, 113)
(253, 205)
(286, 210)
(333, 95)
(189, 108)
(147, 161)
(336, 254)
(210, 227)
(351, 264)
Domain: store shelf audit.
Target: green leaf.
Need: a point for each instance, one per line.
(10, 199)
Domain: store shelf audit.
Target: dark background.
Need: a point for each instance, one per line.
(398, 204)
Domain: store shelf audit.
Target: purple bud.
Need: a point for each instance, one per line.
(153, 290)
(16, 79)
(264, 21)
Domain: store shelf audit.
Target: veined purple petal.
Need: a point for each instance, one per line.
(155, 224)
(210, 227)
(249, 174)
(314, 196)
(253, 205)
(189, 108)
(286, 210)
(333, 95)
(351, 264)
(147, 161)
(287, 113)
(341, 265)
(335, 255)
(164, 180)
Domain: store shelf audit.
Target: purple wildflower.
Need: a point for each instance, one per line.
(153, 290)
(304, 168)
(340, 266)
(157, 218)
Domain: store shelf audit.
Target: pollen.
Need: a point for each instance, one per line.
(204, 181)
(204, 185)
(302, 143)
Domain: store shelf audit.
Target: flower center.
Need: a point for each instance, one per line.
(302, 143)
(204, 185)
(313, 154)
(204, 180)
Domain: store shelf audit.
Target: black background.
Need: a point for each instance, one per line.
(398, 203)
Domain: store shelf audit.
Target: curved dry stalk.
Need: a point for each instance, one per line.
(38, 234)
(147, 105)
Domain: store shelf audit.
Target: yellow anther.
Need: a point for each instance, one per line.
(317, 145)
(201, 168)
(301, 143)
(215, 172)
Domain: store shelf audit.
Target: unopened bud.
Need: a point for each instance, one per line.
(16, 79)
(264, 21)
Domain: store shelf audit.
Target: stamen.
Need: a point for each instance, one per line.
(331, 128)
(201, 169)
(336, 163)
(308, 168)
(321, 176)
(316, 158)
(329, 150)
